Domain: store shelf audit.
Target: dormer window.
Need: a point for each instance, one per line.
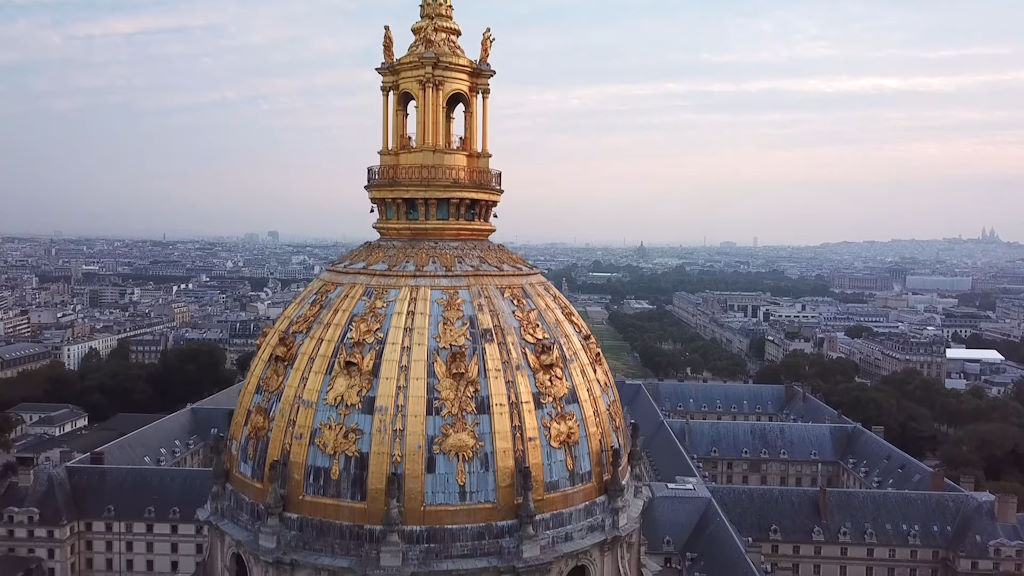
(680, 406)
(704, 407)
(783, 453)
(914, 537)
(666, 544)
(734, 409)
(150, 512)
(718, 406)
(844, 534)
(814, 454)
(746, 453)
(817, 534)
(757, 408)
(764, 452)
(109, 511)
(714, 451)
(869, 535)
(774, 533)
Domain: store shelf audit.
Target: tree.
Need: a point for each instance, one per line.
(243, 361)
(858, 331)
(6, 429)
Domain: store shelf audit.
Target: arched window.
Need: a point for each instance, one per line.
(238, 566)
(578, 570)
(407, 117)
(458, 122)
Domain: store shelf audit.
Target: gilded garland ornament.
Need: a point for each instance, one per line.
(304, 322)
(259, 424)
(458, 383)
(351, 380)
(561, 427)
(336, 440)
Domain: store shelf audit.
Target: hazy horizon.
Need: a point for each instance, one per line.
(798, 122)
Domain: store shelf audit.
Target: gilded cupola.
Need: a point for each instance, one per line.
(431, 377)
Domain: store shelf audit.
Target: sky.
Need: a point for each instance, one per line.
(664, 121)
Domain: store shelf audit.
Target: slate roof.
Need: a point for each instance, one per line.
(794, 405)
(174, 431)
(47, 493)
(696, 526)
(41, 408)
(663, 449)
(64, 416)
(853, 446)
(94, 488)
(963, 522)
(226, 398)
(13, 351)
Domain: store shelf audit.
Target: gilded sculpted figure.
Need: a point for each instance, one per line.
(389, 46)
(485, 47)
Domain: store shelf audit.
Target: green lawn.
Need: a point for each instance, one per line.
(616, 351)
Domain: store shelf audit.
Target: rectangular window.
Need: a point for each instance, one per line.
(108, 527)
(174, 528)
(88, 563)
(129, 565)
(796, 549)
(869, 571)
(935, 554)
(842, 571)
(913, 554)
(442, 209)
(174, 547)
(149, 547)
(890, 572)
(51, 553)
(871, 552)
(817, 550)
(816, 570)
(892, 553)
(110, 564)
(199, 549)
(174, 566)
(88, 526)
(49, 533)
(128, 546)
(149, 565)
(149, 528)
(110, 545)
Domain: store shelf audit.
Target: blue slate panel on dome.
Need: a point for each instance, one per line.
(557, 475)
(441, 485)
(253, 468)
(350, 483)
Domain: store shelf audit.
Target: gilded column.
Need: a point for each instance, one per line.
(471, 122)
(384, 112)
(398, 129)
(438, 113)
(423, 117)
(483, 149)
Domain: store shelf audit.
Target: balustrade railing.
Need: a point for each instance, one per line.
(434, 174)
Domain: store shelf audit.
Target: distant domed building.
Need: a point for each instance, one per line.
(431, 404)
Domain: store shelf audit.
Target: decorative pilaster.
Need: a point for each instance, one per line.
(385, 93)
(484, 149)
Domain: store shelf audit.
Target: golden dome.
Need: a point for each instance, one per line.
(431, 355)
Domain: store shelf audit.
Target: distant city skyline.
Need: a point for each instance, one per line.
(799, 122)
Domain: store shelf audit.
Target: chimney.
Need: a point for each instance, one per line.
(938, 481)
(823, 502)
(97, 458)
(967, 482)
(878, 431)
(1006, 508)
